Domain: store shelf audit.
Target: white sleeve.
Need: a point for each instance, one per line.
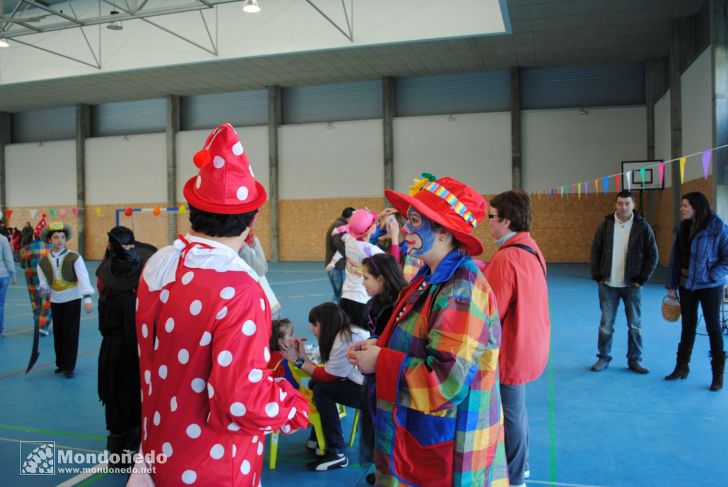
(83, 281)
(42, 278)
(338, 364)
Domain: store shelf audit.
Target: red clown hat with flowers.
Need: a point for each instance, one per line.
(225, 182)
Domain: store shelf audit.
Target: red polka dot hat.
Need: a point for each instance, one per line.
(225, 183)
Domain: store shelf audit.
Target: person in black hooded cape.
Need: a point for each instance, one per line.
(118, 382)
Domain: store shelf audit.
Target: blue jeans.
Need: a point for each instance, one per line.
(4, 283)
(515, 423)
(337, 282)
(609, 302)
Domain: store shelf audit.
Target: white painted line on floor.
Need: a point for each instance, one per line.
(82, 476)
(559, 484)
(297, 282)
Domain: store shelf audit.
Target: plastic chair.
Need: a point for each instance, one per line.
(315, 419)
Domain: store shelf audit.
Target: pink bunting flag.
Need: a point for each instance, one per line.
(661, 172)
(62, 213)
(706, 163)
(75, 211)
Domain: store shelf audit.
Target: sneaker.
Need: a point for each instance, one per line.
(527, 473)
(68, 374)
(371, 478)
(600, 365)
(329, 462)
(58, 370)
(43, 332)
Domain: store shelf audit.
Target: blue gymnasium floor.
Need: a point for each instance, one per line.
(614, 428)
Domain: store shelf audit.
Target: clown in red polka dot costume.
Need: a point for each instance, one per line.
(203, 325)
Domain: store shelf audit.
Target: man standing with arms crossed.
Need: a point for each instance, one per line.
(623, 257)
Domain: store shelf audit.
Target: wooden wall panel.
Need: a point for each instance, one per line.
(303, 224)
(563, 227)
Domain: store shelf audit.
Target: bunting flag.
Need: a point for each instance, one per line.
(628, 180)
(682, 168)
(62, 213)
(8, 213)
(586, 188)
(661, 172)
(1, 214)
(606, 184)
(75, 211)
(642, 176)
(618, 182)
(182, 209)
(32, 212)
(578, 189)
(706, 163)
(552, 193)
(52, 212)
(562, 191)
(596, 186)
(98, 211)
(155, 211)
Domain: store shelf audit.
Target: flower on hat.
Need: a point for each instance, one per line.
(225, 182)
(418, 184)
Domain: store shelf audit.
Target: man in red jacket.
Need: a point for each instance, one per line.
(517, 274)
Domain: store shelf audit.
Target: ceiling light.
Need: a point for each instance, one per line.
(115, 25)
(4, 42)
(251, 6)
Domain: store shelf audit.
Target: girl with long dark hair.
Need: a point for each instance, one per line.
(697, 273)
(336, 382)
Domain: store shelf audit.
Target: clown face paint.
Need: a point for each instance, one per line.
(420, 234)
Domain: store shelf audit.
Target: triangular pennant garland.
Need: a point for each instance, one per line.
(706, 163)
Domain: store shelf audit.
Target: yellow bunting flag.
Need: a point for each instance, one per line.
(98, 211)
(182, 209)
(682, 168)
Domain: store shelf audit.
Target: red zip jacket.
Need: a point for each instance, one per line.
(519, 284)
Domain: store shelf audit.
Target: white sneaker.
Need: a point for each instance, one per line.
(329, 462)
(526, 474)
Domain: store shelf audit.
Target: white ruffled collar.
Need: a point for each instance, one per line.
(161, 269)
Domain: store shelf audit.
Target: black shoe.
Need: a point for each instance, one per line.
(600, 365)
(329, 462)
(371, 478)
(636, 366)
(58, 370)
(68, 374)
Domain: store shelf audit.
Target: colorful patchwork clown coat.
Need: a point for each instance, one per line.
(439, 420)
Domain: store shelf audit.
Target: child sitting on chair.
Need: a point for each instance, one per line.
(282, 338)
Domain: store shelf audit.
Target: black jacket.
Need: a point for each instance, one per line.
(641, 251)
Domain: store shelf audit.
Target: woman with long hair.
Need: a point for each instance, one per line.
(383, 281)
(438, 418)
(697, 273)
